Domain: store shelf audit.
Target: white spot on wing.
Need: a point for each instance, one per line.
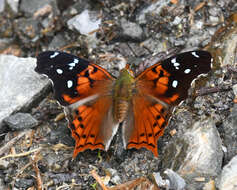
(175, 83)
(73, 64)
(69, 83)
(173, 60)
(195, 54)
(186, 71)
(59, 71)
(76, 60)
(176, 64)
(54, 55)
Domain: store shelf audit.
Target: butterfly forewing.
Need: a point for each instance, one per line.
(170, 79)
(73, 78)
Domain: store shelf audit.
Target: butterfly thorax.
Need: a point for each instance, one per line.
(122, 94)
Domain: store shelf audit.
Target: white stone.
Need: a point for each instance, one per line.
(2, 5)
(19, 84)
(204, 155)
(85, 22)
(13, 4)
(228, 177)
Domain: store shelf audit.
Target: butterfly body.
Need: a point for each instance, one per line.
(96, 103)
(122, 94)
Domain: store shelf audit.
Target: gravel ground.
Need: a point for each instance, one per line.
(201, 138)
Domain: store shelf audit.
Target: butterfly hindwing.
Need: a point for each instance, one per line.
(145, 123)
(92, 124)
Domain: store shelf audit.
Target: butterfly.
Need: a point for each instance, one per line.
(97, 104)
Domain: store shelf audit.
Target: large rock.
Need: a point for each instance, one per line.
(204, 154)
(196, 154)
(20, 85)
(85, 22)
(228, 177)
(20, 121)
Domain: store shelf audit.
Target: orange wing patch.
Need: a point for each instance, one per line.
(154, 81)
(149, 121)
(92, 127)
(92, 80)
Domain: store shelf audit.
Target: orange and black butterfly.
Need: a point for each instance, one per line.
(97, 104)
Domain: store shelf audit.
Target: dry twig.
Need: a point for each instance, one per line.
(98, 179)
(7, 146)
(35, 160)
(20, 154)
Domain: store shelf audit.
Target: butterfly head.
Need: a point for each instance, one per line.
(127, 71)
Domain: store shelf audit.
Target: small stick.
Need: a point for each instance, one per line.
(206, 91)
(9, 144)
(38, 176)
(21, 154)
(98, 179)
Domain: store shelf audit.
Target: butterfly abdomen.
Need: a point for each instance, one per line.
(121, 110)
(122, 95)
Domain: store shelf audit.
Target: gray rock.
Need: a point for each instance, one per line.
(230, 134)
(4, 164)
(31, 34)
(2, 184)
(29, 7)
(14, 4)
(177, 20)
(159, 181)
(196, 153)
(114, 176)
(85, 22)
(195, 40)
(24, 183)
(154, 8)
(176, 181)
(204, 153)
(229, 49)
(20, 121)
(235, 89)
(20, 85)
(131, 30)
(2, 5)
(57, 42)
(228, 177)
(154, 45)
